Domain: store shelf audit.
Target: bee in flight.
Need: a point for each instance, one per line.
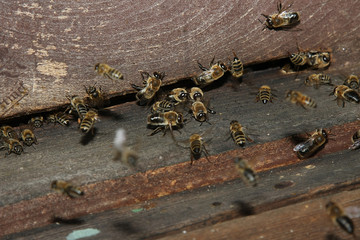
(300, 99)
(237, 133)
(317, 79)
(344, 93)
(211, 74)
(197, 146)
(152, 84)
(88, 121)
(237, 68)
(352, 81)
(339, 218)
(355, 140)
(37, 122)
(246, 172)
(8, 132)
(282, 19)
(164, 121)
(265, 94)
(28, 137)
(312, 145)
(66, 188)
(107, 71)
(124, 153)
(12, 145)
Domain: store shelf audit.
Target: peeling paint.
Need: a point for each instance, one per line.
(83, 233)
(63, 17)
(52, 68)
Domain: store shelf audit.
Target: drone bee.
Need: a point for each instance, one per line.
(356, 140)
(352, 81)
(28, 137)
(312, 145)
(344, 93)
(8, 132)
(178, 95)
(105, 70)
(162, 106)
(300, 99)
(339, 218)
(37, 121)
(196, 94)
(211, 74)
(152, 84)
(282, 19)
(95, 97)
(60, 117)
(12, 145)
(66, 188)
(200, 112)
(197, 146)
(237, 133)
(164, 121)
(265, 95)
(88, 121)
(246, 172)
(317, 79)
(237, 68)
(78, 104)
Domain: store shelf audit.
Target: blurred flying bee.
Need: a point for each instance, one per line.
(95, 97)
(12, 145)
(66, 188)
(352, 81)
(197, 146)
(200, 112)
(28, 137)
(344, 93)
(265, 95)
(105, 70)
(317, 79)
(37, 121)
(237, 68)
(88, 121)
(8, 132)
(300, 99)
(178, 95)
(312, 145)
(313, 59)
(162, 106)
(60, 117)
(246, 172)
(152, 84)
(339, 218)
(211, 74)
(356, 140)
(237, 133)
(282, 19)
(164, 121)
(77, 103)
(124, 153)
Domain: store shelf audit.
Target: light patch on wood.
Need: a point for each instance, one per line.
(41, 53)
(52, 68)
(15, 46)
(63, 17)
(66, 10)
(21, 13)
(50, 47)
(76, 39)
(67, 29)
(310, 166)
(32, 6)
(30, 51)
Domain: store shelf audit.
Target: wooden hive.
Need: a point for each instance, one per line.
(48, 51)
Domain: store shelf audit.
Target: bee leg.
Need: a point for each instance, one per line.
(136, 87)
(108, 76)
(249, 139)
(191, 158)
(206, 154)
(156, 130)
(212, 61)
(201, 67)
(144, 78)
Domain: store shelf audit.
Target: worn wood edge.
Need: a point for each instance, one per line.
(160, 182)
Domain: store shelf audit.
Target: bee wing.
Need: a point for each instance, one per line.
(352, 211)
(304, 145)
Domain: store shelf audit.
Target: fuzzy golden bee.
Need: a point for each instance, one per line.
(60, 117)
(28, 137)
(196, 94)
(200, 111)
(339, 218)
(178, 95)
(265, 94)
(152, 84)
(300, 99)
(197, 147)
(66, 188)
(8, 132)
(246, 172)
(12, 145)
(312, 145)
(88, 121)
(237, 68)
(237, 133)
(344, 93)
(95, 97)
(77, 103)
(282, 19)
(37, 121)
(162, 106)
(107, 71)
(313, 59)
(164, 121)
(352, 81)
(317, 79)
(211, 74)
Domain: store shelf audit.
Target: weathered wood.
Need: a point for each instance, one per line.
(51, 48)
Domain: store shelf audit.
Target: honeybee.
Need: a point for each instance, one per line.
(317, 79)
(265, 95)
(37, 121)
(60, 117)
(318, 59)
(8, 132)
(12, 145)
(196, 94)
(237, 133)
(352, 81)
(300, 99)
(78, 104)
(339, 218)
(106, 70)
(281, 19)
(164, 121)
(152, 84)
(246, 172)
(124, 153)
(312, 145)
(197, 146)
(88, 121)
(178, 95)
(95, 98)
(28, 137)
(356, 140)
(162, 106)
(344, 93)
(200, 112)
(237, 68)
(66, 188)
(211, 74)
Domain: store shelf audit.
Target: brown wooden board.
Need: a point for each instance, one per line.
(48, 49)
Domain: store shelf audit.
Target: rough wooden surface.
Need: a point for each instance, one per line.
(52, 47)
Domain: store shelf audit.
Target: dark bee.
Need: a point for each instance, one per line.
(197, 146)
(66, 188)
(281, 19)
(265, 95)
(237, 68)
(300, 99)
(344, 93)
(211, 74)
(178, 95)
(196, 94)
(105, 70)
(312, 145)
(162, 106)
(356, 140)
(164, 121)
(8, 132)
(28, 137)
(339, 218)
(36, 121)
(246, 172)
(88, 121)
(238, 134)
(352, 81)
(95, 97)
(12, 145)
(152, 84)
(78, 104)
(317, 79)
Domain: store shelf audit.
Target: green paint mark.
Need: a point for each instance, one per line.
(77, 234)
(137, 210)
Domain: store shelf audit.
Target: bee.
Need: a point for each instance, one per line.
(352, 82)
(78, 104)
(37, 121)
(88, 121)
(162, 106)
(200, 112)
(197, 146)
(237, 133)
(152, 84)
(211, 74)
(60, 117)
(299, 59)
(95, 98)
(300, 99)
(246, 172)
(339, 218)
(237, 68)
(28, 137)
(318, 59)
(196, 94)
(344, 93)
(66, 188)
(12, 145)
(105, 70)
(356, 140)
(312, 145)
(8, 132)
(265, 95)
(317, 79)
(164, 121)
(178, 95)
(126, 154)
(281, 19)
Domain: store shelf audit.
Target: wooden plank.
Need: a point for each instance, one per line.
(51, 48)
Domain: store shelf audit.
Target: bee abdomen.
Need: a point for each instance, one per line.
(86, 125)
(345, 223)
(297, 59)
(115, 73)
(265, 96)
(352, 96)
(237, 68)
(310, 102)
(239, 138)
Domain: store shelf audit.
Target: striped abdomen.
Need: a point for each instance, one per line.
(298, 58)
